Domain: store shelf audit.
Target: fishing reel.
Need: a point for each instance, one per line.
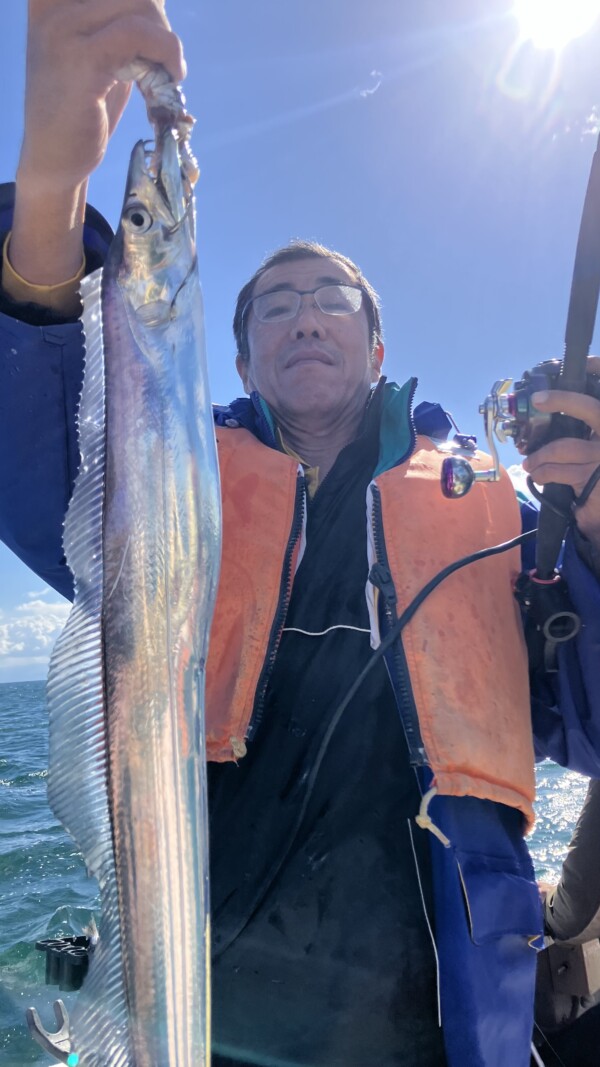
(509, 414)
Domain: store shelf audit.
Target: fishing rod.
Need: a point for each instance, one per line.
(508, 412)
(557, 500)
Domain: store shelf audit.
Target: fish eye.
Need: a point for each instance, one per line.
(137, 218)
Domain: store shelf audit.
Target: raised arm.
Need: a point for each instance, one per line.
(78, 53)
(78, 56)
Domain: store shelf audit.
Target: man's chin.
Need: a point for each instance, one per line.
(309, 402)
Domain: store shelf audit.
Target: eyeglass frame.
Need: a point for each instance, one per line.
(308, 292)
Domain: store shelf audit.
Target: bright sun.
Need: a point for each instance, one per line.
(553, 23)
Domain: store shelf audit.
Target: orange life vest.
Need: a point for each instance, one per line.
(465, 652)
(464, 647)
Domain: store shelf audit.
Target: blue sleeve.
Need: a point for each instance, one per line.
(566, 705)
(41, 372)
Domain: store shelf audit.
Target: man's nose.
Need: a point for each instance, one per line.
(309, 320)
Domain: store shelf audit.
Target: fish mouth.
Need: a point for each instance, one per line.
(167, 163)
(171, 180)
(159, 162)
(168, 115)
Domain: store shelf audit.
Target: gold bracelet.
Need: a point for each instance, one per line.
(63, 297)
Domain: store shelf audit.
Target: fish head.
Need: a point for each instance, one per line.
(154, 250)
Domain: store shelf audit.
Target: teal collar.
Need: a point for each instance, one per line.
(396, 428)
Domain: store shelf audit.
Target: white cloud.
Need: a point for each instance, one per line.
(519, 479)
(591, 125)
(376, 79)
(9, 663)
(29, 632)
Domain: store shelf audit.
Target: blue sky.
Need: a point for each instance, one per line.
(422, 140)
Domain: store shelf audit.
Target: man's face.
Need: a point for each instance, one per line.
(315, 364)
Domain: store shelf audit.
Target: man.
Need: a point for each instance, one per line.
(373, 899)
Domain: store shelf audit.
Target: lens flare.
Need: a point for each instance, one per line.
(551, 24)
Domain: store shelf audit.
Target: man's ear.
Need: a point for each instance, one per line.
(243, 368)
(376, 361)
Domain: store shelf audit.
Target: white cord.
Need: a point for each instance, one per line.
(538, 1059)
(437, 961)
(321, 633)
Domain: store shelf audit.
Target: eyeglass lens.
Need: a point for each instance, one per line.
(285, 303)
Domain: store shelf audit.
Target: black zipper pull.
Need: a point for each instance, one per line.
(380, 577)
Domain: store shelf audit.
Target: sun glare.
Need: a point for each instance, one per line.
(552, 24)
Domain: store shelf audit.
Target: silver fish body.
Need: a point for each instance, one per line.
(142, 537)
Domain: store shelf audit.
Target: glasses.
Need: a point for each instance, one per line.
(285, 304)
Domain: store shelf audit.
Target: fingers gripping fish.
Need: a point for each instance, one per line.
(126, 682)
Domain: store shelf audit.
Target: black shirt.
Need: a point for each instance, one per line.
(322, 955)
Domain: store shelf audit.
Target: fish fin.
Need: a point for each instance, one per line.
(78, 775)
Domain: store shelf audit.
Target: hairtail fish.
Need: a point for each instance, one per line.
(125, 690)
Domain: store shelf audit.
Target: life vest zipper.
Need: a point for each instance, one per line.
(285, 591)
(380, 576)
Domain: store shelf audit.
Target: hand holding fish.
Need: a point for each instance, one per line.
(78, 55)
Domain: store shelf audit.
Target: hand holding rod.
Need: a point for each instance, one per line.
(581, 318)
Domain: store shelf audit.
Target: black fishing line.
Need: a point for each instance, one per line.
(388, 640)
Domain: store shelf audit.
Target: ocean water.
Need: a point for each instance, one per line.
(44, 888)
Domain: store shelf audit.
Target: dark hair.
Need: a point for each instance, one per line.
(298, 249)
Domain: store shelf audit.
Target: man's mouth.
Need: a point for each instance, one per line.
(309, 355)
